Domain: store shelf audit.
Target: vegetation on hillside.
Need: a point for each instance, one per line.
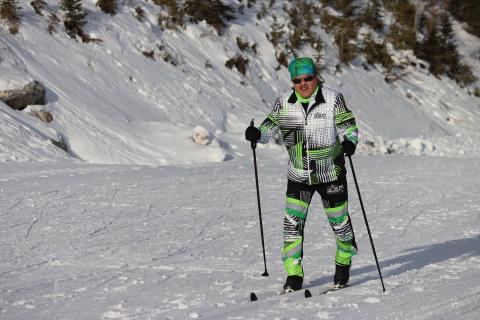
(10, 13)
(373, 33)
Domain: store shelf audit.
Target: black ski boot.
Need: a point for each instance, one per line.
(293, 283)
(342, 274)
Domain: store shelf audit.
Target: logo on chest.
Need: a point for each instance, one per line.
(320, 116)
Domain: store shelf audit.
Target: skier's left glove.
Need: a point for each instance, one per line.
(348, 147)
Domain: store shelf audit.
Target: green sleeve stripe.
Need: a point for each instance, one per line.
(320, 154)
(350, 130)
(338, 170)
(271, 118)
(266, 125)
(344, 117)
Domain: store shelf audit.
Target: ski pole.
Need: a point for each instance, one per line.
(366, 222)
(253, 144)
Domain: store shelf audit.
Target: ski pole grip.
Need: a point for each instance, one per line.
(345, 139)
(253, 144)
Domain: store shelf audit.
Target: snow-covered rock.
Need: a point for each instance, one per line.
(32, 93)
(201, 135)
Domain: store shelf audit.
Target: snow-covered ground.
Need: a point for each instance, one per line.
(137, 221)
(112, 105)
(84, 241)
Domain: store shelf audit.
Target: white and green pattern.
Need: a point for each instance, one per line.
(312, 138)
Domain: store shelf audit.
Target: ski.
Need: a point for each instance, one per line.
(273, 293)
(307, 293)
(334, 288)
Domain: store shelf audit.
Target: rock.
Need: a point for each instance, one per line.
(31, 94)
(201, 135)
(60, 144)
(45, 116)
(40, 112)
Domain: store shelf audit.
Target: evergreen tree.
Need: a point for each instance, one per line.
(347, 50)
(346, 7)
(440, 50)
(250, 3)
(277, 37)
(108, 6)
(301, 20)
(173, 18)
(467, 11)
(402, 32)
(10, 12)
(214, 12)
(422, 24)
(139, 13)
(344, 29)
(431, 50)
(277, 33)
(373, 16)
(38, 6)
(377, 53)
(53, 21)
(447, 43)
(455, 69)
(74, 18)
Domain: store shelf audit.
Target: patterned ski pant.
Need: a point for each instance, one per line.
(335, 201)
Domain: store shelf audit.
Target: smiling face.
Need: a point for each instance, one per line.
(305, 84)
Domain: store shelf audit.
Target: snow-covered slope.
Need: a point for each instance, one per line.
(111, 104)
(83, 241)
(25, 138)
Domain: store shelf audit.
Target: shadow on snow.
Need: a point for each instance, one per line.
(413, 259)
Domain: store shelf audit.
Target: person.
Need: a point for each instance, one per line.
(317, 129)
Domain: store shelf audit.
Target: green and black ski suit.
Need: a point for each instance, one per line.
(312, 130)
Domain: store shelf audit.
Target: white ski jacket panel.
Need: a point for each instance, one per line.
(312, 138)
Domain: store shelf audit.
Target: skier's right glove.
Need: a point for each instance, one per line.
(252, 134)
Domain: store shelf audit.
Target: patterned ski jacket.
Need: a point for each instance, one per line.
(313, 138)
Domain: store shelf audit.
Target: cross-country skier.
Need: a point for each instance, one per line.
(317, 129)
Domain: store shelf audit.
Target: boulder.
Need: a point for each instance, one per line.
(45, 116)
(201, 135)
(40, 112)
(31, 94)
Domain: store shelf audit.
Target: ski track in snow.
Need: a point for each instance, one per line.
(82, 241)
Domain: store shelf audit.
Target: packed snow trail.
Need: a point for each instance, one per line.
(83, 241)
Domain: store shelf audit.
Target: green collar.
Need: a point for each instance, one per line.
(306, 100)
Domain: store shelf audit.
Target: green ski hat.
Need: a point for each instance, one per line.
(299, 66)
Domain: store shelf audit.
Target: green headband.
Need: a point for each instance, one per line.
(301, 66)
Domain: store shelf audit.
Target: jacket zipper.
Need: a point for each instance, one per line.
(306, 144)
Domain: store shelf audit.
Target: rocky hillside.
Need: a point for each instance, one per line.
(134, 81)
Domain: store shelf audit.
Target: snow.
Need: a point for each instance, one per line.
(26, 139)
(136, 220)
(113, 105)
(84, 241)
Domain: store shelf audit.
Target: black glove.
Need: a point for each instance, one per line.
(348, 147)
(252, 134)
